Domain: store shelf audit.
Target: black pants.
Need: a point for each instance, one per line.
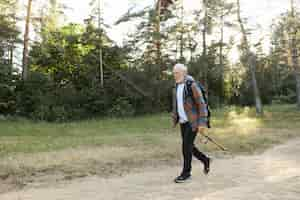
(189, 149)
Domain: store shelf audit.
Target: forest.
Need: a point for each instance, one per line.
(56, 71)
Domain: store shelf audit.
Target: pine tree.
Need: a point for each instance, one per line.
(250, 61)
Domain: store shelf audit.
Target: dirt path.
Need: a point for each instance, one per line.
(272, 175)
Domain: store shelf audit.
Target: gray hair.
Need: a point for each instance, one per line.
(181, 67)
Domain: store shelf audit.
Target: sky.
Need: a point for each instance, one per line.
(258, 12)
(259, 15)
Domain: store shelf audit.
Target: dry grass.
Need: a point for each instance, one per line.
(43, 152)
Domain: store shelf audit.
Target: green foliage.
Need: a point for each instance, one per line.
(121, 108)
(64, 81)
(206, 70)
(8, 39)
(289, 97)
(7, 86)
(7, 99)
(30, 93)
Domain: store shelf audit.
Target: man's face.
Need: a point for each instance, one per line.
(178, 75)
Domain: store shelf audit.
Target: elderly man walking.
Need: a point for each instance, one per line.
(190, 111)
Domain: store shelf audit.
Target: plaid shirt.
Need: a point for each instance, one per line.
(195, 109)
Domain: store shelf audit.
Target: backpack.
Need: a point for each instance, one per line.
(203, 91)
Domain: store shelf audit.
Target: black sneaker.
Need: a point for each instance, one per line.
(206, 166)
(182, 178)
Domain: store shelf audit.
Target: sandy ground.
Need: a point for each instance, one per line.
(272, 175)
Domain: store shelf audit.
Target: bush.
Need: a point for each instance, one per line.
(7, 100)
(39, 99)
(121, 108)
(30, 93)
(7, 95)
(290, 98)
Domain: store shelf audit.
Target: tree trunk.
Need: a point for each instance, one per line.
(251, 62)
(158, 42)
(221, 57)
(158, 47)
(204, 46)
(204, 31)
(11, 54)
(204, 39)
(297, 75)
(221, 46)
(26, 43)
(181, 33)
(296, 66)
(11, 57)
(101, 73)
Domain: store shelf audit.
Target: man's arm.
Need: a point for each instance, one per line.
(174, 119)
(174, 108)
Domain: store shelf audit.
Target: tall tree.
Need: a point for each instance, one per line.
(100, 45)
(97, 17)
(181, 33)
(224, 10)
(293, 31)
(26, 42)
(205, 19)
(157, 29)
(8, 31)
(150, 35)
(249, 60)
(47, 18)
(161, 8)
(284, 54)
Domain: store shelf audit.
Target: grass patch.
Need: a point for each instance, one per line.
(30, 137)
(113, 146)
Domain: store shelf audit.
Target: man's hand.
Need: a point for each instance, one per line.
(201, 129)
(174, 125)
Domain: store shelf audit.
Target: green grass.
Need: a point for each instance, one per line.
(112, 146)
(242, 131)
(29, 137)
(234, 126)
